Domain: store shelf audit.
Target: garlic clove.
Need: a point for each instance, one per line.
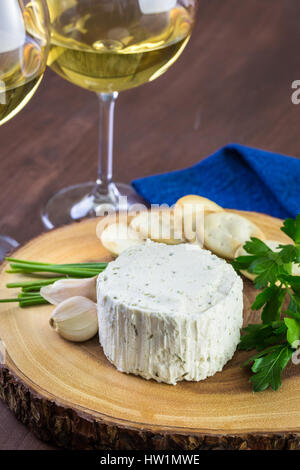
(75, 319)
(66, 288)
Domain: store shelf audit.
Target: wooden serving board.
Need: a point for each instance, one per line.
(71, 395)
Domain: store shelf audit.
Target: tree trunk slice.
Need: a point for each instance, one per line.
(71, 395)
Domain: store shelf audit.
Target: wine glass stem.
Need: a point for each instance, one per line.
(106, 137)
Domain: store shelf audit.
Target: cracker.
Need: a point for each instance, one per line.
(158, 226)
(118, 237)
(224, 232)
(199, 201)
(189, 214)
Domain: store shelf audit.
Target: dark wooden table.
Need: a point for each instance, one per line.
(232, 84)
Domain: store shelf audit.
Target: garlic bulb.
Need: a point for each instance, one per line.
(66, 288)
(75, 319)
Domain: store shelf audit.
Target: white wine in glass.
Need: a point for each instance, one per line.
(108, 46)
(24, 46)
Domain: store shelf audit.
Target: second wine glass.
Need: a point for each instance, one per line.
(108, 46)
(24, 44)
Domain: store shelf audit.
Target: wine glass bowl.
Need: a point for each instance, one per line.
(24, 44)
(108, 46)
(113, 46)
(24, 47)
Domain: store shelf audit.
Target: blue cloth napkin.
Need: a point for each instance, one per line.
(236, 177)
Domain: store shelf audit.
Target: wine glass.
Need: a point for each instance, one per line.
(24, 46)
(108, 46)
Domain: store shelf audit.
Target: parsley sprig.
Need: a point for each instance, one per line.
(277, 336)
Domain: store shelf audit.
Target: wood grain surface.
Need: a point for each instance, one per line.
(232, 84)
(63, 390)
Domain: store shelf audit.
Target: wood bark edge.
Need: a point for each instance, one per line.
(69, 429)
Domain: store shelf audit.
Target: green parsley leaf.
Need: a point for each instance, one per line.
(267, 272)
(272, 309)
(243, 262)
(293, 330)
(259, 336)
(292, 281)
(271, 299)
(294, 306)
(256, 247)
(268, 368)
(292, 228)
(254, 337)
(263, 297)
(290, 253)
(275, 336)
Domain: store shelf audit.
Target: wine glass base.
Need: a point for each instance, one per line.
(83, 201)
(7, 245)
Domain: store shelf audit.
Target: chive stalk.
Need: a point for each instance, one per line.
(30, 290)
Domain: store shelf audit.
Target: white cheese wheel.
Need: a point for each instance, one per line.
(169, 313)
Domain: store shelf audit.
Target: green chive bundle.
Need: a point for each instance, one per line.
(30, 290)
